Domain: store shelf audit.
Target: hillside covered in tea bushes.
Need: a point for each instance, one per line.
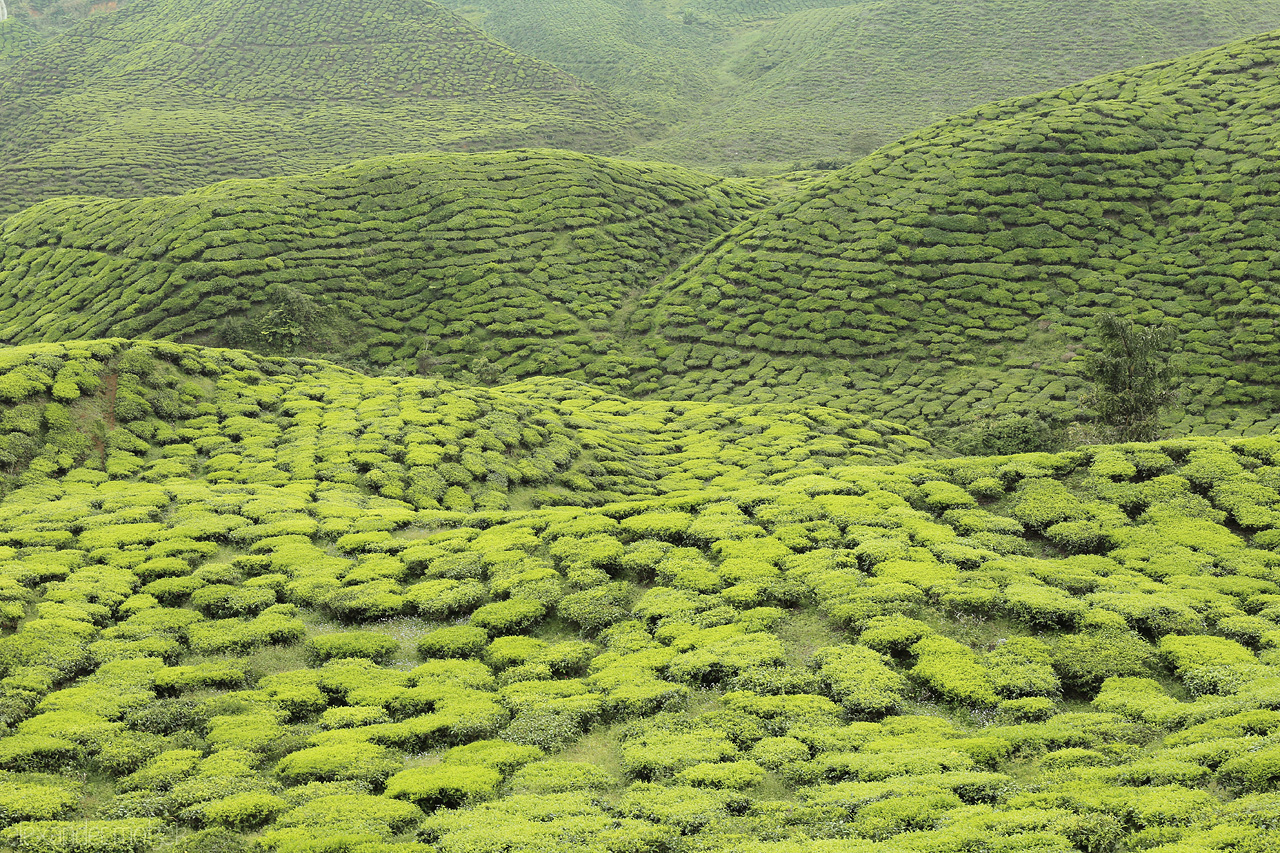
(238, 618)
(490, 265)
(961, 269)
(167, 95)
(768, 84)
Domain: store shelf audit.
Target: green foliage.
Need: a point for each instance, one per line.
(363, 762)
(1133, 380)
(857, 678)
(448, 785)
(459, 641)
(352, 644)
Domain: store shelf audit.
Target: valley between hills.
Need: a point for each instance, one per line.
(639, 426)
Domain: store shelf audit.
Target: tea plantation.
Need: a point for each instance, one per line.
(167, 95)
(270, 604)
(961, 268)
(763, 85)
(508, 264)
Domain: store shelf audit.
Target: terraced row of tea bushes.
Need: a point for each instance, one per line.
(877, 655)
(494, 265)
(156, 411)
(991, 240)
(16, 38)
(874, 72)
(199, 92)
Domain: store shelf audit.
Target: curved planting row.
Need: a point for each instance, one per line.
(500, 265)
(1041, 652)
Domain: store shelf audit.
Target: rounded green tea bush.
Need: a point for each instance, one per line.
(363, 762)
(351, 644)
(508, 617)
(456, 641)
(447, 785)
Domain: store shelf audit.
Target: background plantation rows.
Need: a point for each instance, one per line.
(987, 243)
(948, 279)
(211, 643)
(496, 265)
(166, 95)
(764, 85)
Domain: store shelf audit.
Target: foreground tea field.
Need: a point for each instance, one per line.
(268, 604)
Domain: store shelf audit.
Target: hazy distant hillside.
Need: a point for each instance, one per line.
(959, 270)
(779, 82)
(165, 95)
(505, 265)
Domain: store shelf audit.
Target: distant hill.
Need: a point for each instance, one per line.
(165, 95)
(498, 265)
(773, 83)
(959, 270)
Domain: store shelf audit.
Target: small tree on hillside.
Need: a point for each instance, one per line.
(1132, 378)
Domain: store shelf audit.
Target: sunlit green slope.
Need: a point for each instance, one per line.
(426, 441)
(960, 269)
(839, 81)
(509, 264)
(170, 94)
(224, 629)
(778, 82)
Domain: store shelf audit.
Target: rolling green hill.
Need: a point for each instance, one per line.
(234, 618)
(166, 95)
(959, 270)
(510, 264)
(767, 84)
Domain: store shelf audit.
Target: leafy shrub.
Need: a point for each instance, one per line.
(554, 776)
(364, 762)
(857, 678)
(731, 775)
(457, 641)
(446, 598)
(1085, 660)
(597, 607)
(447, 785)
(508, 617)
(1022, 666)
(351, 644)
(953, 670)
(501, 755)
(1254, 771)
(21, 801)
(247, 810)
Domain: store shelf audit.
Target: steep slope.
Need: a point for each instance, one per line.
(959, 269)
(507, 264)
(222, 631)
(165, 95)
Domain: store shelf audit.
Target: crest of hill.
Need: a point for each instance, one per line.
(769, 84)
(506, 264)
(962, 267)
(169, 94)
(157, 410)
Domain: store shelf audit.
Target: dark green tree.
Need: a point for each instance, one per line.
(1132, 378)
